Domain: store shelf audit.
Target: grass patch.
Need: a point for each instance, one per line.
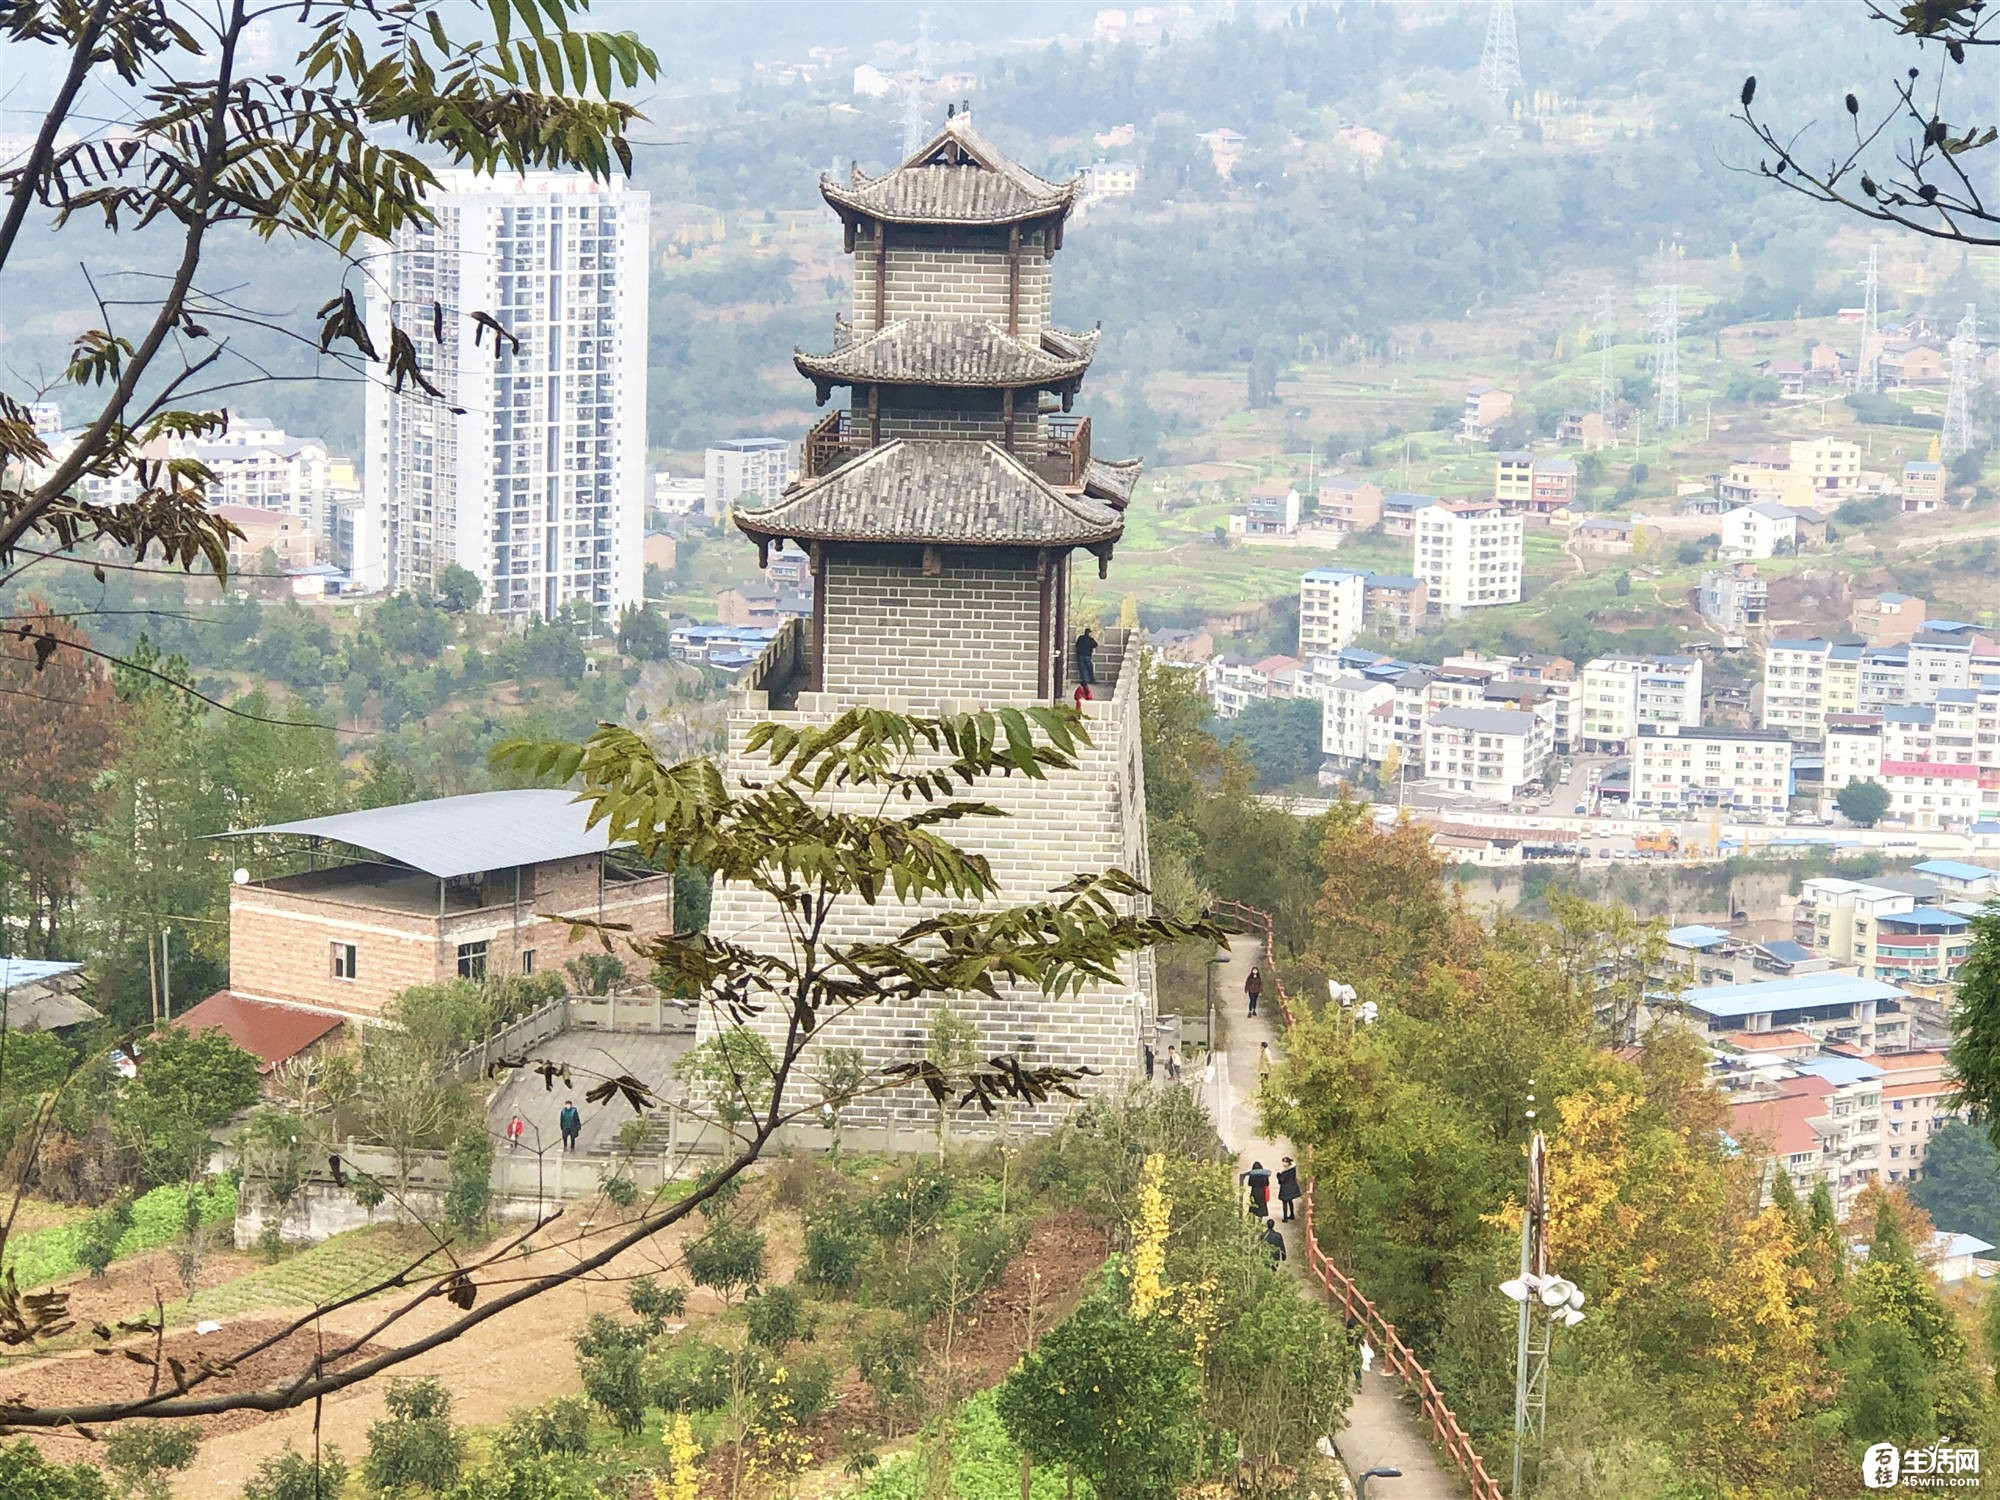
(331, 1269)
(158, 1218)
(982, 1461)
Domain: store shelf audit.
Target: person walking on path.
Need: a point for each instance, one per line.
(1253, 987)
(1367, 1362)
(1288, 1187)
(1275, 1241)
(571, 1123)
(515, 1127)
(1258, 1179)
(1263, 1066)
(1173, 1065)
(1086, 658)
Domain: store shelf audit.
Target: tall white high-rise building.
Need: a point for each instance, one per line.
(1469, 553)
(538, 484)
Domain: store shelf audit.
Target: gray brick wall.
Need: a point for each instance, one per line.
(891, 630)
(1089, 818)
(933, 282)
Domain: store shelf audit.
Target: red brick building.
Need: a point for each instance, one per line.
(457, 887)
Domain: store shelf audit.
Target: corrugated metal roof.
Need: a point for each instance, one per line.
(1796, 993)
(450, 836)
(15, 972)
(936, 494)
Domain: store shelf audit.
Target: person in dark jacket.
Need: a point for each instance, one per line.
(1275, 1240)
(571, 1124)
(1253, 987)
(1086, 658)
(1288, 1187)
(1258, 1179)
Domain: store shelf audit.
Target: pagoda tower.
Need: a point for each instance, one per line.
(941, 509)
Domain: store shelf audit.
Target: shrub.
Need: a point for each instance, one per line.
(692, 1376)
(833, 1252)
(622, 1191)
(726, 1259)
(469, 1192)
(24, 1472)
(888, 1361)
(808, 1386)
(778, 1317)
(416, 1445)
(558, 1426)
(97, 1241)
(142, 1454)
(912, 1202)
(611, 1358)
(655, 1303)
(293, 1476)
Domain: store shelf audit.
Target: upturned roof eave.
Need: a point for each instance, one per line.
(854, 201)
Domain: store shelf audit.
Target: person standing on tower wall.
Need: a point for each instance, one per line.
(1086, 658)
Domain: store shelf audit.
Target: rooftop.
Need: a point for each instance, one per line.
(271, 1032)
(1785, 951)
(936, 494)
(1485, 720)
(1953, 869)
(1840, 1071)
(1768, 1041)
(454, 836)
(1798, 992)
(1696, 936)
(951, 353)
(1397, 581)
(956, 177)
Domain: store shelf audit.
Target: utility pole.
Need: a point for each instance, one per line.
(1867, 373)
(1607, 400)
(913, 98)
(1667, 343)
(1500, 61)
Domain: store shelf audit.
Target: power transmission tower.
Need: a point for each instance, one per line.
(1607, 398)
(913, 98)
(1958, 435)
(1866, 371)
(1500, 62)
(1667, 345)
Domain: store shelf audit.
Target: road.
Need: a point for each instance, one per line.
(1614, 831)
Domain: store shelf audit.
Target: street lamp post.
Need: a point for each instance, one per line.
(1214, 959)
(1544, 1301)
(1380, 1471)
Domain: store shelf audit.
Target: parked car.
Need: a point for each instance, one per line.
(1582, 808)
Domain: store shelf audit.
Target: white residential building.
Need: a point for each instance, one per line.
(1623, 694)
(1795, 687)
(760, 466)
(1468, 554)
(1330, 608)
(1351, 728)
(1491, 753)
(1681, 767)
(529, 469)
(1765, 529)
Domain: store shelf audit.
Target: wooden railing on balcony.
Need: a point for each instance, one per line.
(1059, 451)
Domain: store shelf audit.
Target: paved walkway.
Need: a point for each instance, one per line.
(1381, 1429)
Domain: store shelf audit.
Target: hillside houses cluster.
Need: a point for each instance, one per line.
(1827, 1043)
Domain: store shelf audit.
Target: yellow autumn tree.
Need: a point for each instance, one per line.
(1152, 1216)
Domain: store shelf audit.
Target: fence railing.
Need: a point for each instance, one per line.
(1447, 1435)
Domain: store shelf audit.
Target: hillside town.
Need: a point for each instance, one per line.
(1182, 752)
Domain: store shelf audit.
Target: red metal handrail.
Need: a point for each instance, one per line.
(1396, 1356)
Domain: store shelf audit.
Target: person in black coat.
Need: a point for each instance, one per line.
(1258, 1179)
(1275, 1241)
(1253, 987)
(1086, 658)
(1288, 1187)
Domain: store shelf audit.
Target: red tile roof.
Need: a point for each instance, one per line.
(1763, 1041)
(273, 1033)
(1781, 1121)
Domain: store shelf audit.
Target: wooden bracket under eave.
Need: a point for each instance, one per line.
(763, 552)
(1104, 561)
